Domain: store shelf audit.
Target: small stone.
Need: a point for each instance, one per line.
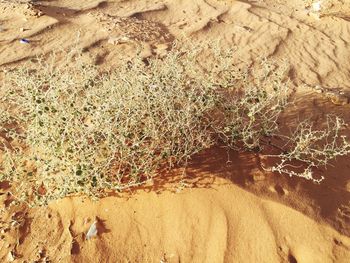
(11, 256)
(92, 232)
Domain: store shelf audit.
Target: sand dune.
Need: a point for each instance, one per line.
(221, 224)
(221, 212)
(316, 48)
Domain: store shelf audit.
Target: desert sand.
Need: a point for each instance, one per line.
(220, 211)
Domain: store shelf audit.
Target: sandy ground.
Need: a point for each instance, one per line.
(220, 211)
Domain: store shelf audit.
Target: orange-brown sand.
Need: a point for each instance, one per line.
(225, 208)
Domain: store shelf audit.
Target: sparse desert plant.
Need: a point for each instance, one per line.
(311, 148)
(73, 129)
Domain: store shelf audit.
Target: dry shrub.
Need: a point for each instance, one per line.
(83, 131)
(72, 129)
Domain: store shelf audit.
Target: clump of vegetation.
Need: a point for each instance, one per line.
(72, 129)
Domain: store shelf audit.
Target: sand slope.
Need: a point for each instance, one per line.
(221, 224)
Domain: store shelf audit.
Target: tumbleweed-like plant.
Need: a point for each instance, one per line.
(73, 129)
